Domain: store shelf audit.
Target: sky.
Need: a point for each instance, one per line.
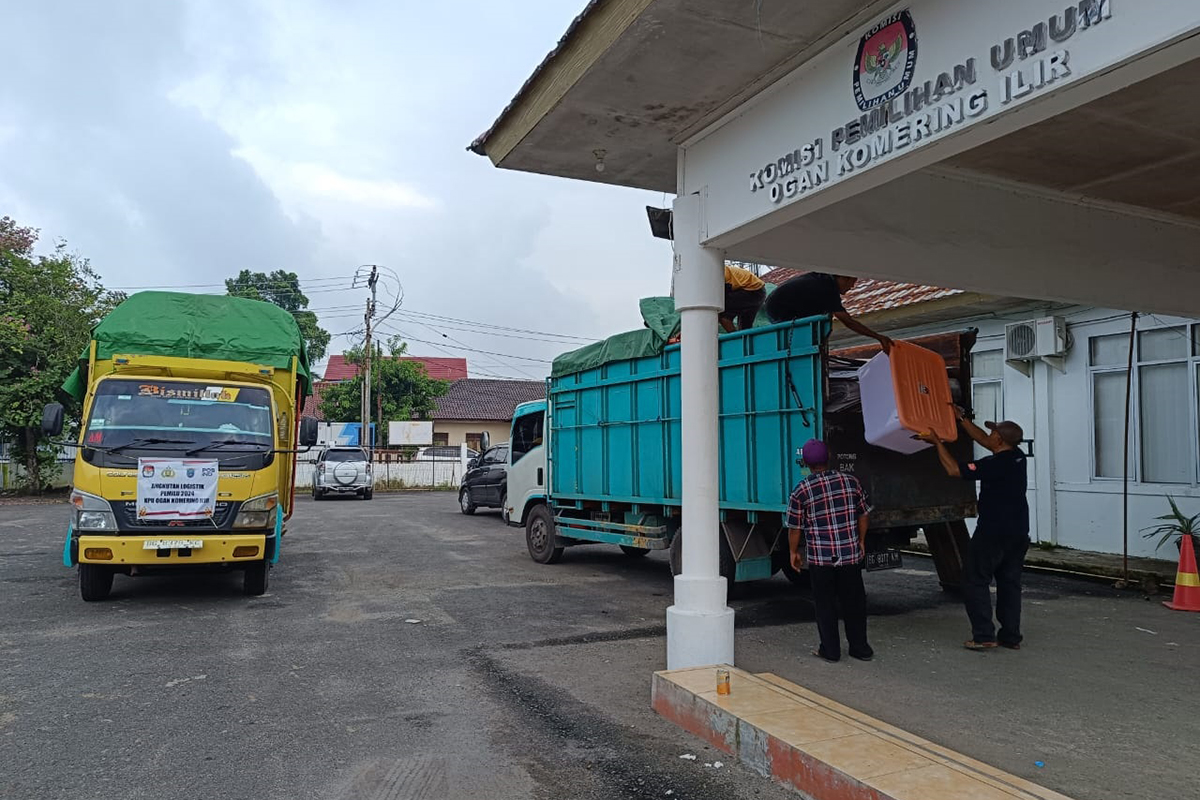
(174, 144)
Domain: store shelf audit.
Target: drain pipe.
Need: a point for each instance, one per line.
(1133, 315)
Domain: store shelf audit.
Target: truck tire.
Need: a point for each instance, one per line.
(368, 494)
(256, 578)
(635, 552)
(540, 536)
(464, 502)
(726, 565)
(95, 582)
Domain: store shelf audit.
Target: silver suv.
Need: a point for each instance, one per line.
(343, 470)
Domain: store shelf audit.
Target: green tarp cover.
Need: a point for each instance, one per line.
(661, 323)
(196, 326)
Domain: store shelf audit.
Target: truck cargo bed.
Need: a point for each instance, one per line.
(615, 428)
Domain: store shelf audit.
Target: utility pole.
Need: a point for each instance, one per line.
(365, 438)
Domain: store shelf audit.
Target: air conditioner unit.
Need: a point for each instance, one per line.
(1044, 339)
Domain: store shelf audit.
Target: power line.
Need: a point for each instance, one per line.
(441, 318)
(470, 349)
(222, 284)
(484, 332)
(323, 285)
(475, 369)
(451, 338)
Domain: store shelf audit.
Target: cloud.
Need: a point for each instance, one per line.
(150, 191)
(177, 143)
(320, 182)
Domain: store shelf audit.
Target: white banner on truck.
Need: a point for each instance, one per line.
(169, 489)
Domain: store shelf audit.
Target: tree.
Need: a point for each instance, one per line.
(283, 289)
(404, 388)
(48, 307)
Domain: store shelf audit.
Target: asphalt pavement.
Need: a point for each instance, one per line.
(406, 651)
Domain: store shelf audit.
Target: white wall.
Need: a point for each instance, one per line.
(57, 476)
(1083, 512)
(414, 475)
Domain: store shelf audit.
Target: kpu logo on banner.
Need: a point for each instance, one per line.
(887, 57)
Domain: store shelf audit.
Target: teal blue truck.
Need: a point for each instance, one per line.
(599, 461)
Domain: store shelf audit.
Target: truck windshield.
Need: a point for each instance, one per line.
(136, 417)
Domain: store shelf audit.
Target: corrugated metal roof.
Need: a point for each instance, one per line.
(870, 295)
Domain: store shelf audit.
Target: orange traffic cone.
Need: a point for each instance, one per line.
(1187, 580)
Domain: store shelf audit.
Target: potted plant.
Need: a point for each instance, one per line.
(1175, 526)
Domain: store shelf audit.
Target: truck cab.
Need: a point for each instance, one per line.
(527, 450)
(600, 461)
(184, 459)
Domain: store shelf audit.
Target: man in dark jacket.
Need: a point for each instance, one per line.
(1001, 536)
(814, 294)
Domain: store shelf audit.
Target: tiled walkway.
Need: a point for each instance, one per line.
(822, 748)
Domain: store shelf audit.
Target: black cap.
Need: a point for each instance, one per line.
(1010, 432)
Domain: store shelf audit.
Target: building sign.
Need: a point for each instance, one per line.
(407, 434)
(898, 114)
(886, 59)
(170, 489)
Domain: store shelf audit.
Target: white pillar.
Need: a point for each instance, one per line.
(699, 624)
(1042, 462)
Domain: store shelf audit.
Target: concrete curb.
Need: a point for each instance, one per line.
(822, 749)
(1090, 565)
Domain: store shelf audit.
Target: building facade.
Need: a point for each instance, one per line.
(474, 406)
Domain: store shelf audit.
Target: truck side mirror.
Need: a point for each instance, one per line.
(52, 420)
(308, 431)
(485, 441)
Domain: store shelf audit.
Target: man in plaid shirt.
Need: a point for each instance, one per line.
(828, 511)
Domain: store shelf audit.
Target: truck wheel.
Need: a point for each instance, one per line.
(540, 536)
(368, 494)
(95, 582)
(635, 552)
(255, 579)
(464, 502)
(726, 565)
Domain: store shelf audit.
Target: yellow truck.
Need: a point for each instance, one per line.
(187, 445)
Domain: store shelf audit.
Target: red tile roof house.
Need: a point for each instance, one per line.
(338, 369)
(470, 406)
(475, 405)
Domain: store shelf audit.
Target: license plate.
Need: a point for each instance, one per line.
(884, 559)
(172, 544)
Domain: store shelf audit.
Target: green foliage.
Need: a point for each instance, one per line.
(283, 289)
(48, 306)
(1175, 525)
(406, 391)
